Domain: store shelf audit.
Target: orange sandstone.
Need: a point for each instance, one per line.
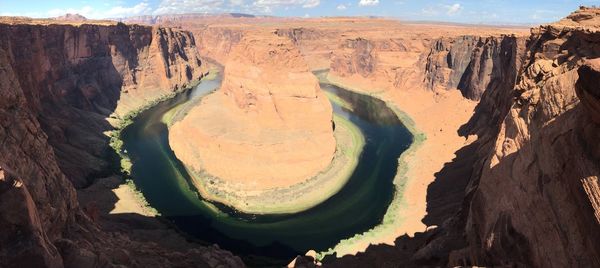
(269, 126)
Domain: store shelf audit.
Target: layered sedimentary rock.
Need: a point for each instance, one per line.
(93, 71)
(58, 85)
(536, 198)
(470, 63)
(377, 64)
(268, 126)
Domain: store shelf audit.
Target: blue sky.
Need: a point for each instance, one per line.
(466, 11)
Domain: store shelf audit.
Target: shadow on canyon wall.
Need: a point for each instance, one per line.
(449, 195)
(60, 86)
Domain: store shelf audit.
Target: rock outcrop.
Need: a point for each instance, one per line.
(471, 63)
(269, 125)
(58, 86)
(360, 58)
(93, 72)
(535, 201)
(532, 197)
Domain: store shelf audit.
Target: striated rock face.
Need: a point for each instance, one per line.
(378, 64)
(535, 201)
(58, 84)
(471, 63)
(269, 116)
(447, 61)
(91, 72)
(217, 42)
(361, 58)
(533, 195)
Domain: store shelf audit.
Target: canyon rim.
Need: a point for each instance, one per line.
(500, 167)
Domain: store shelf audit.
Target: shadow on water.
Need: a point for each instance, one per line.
(271, 239)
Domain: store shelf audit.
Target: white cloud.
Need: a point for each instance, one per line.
(544, 15)
(113, 12)
(236, 2)
(454, 9)
(368, 3)
(341, 7)
(216, 6)
(189, 6)
(436, 10)
(287, 3)
(119, 11)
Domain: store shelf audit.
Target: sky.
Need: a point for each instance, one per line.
(465, 11)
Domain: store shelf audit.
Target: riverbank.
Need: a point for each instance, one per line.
(130, 199)
(433, 119)
(295, 198)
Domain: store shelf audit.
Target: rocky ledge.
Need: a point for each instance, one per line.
(60, 84)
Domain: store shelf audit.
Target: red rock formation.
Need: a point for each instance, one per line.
(92, 71)
(361, 58)
(58, 84)
(535, 201)
(470, 63)
(533, 196)
(268, 126)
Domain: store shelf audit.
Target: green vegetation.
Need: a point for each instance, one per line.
(339, 101)
(392, 217)
(298, 197)
(116, 141)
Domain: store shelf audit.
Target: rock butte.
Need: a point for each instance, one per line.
(269, 125)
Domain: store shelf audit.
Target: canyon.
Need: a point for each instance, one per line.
(502, 171)
(62, 85)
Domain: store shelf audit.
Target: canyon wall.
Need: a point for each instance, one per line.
(531, 196)
(93, 72)
(58, 86)
(535, 201)
(378, 64)
(470, 63)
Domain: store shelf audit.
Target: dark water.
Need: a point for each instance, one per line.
(271, 239)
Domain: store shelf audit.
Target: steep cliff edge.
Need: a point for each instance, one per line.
(92, 72)
(58, 86)
(471, 64)
(535, 201)
(530, 179)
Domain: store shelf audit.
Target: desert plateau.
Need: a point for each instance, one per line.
(305, 133)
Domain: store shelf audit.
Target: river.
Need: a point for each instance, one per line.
(260, 239)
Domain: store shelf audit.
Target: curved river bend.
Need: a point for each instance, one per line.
(359, 206)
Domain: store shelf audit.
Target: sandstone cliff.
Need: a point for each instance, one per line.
(531, 199)
(58, 84)
(468, 63)
(535, 201)
(531, 194)
(471, 63)
(269, 116)
(91, 72)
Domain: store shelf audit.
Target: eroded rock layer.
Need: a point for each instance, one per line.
(92, 72)
(58, 86)
(268, 126)
(536, 198)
